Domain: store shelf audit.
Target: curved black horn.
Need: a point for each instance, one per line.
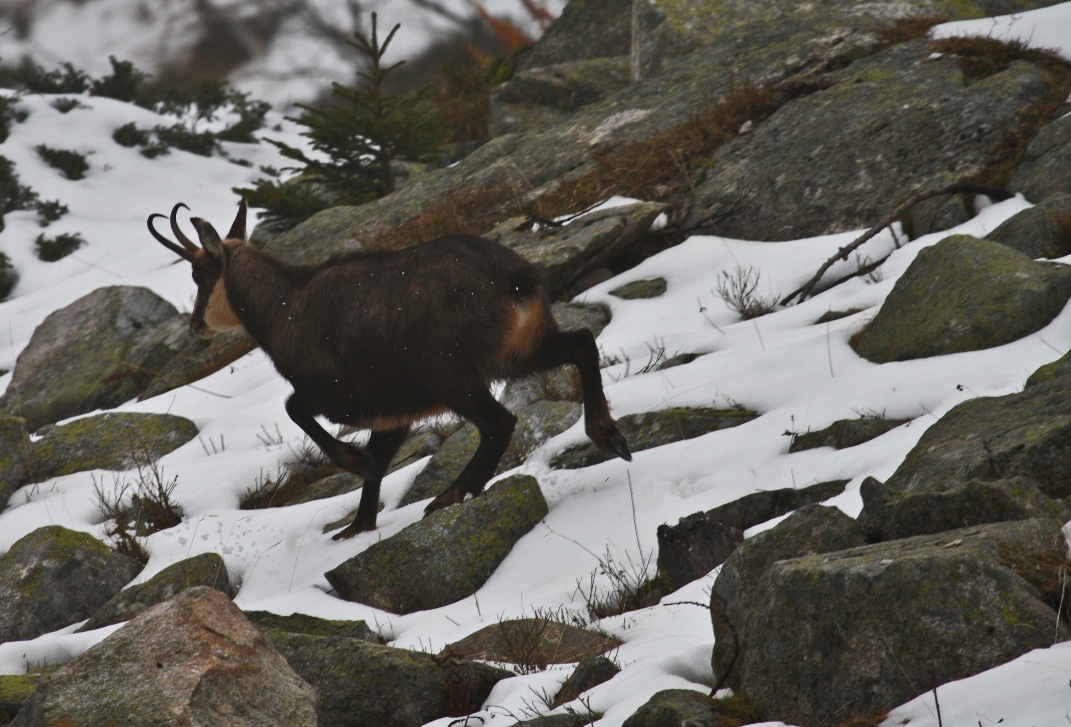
(181, 252)
(186, 243)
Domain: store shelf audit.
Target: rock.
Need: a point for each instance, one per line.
(859, 631)
(672, 707)
(903, 111)
(361, 683)
(199, 359)
(639, 289)
(95, 353)
(15, 689)
(446, 556)
(991, 458)
(532, 643)
(589, 673)
(571, 719)
(536, 423)
(655, 428)
(192, 660)
(54, 577)
(117, 441)
(300, 623)
(1046, 166)
(15, 457)
(758, 507)
(811, 529)
(541, 97)
(569, 252)
(964, 294)
(585, 29)
(574, 316)
(693, 547)
(206, 569)
(844, 433)
(937, 214)
(1042, 231)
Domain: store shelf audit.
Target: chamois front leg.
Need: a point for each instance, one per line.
(382, 446)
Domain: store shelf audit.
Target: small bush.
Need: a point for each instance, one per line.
(10, 114)
(138, 507)
(738, 290)
(7, 280)
(51, 249)
(123, 85)
(13, 195)
(73, 164)
(50, 211)
(65, 79)
(67, 104)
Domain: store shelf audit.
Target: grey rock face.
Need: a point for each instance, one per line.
(964, 294)
(447, 555)
(904, 611)
(96, 353)
(15, 457)
(54, 577)
(1044, 230)
(192, 660)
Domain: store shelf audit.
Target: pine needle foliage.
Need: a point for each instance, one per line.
(355, 141)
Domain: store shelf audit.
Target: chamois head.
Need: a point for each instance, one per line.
(212, 312)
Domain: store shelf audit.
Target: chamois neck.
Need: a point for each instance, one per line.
(261, 290)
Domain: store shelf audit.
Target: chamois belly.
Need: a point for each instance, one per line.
(370, 405)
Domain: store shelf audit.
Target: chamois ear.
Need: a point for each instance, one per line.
(209, 237)
(237, 231)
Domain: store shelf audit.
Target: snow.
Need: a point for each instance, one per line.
(798, 375)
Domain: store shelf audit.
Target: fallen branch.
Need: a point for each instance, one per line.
(917, 195)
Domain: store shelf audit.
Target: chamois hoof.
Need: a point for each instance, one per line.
(446, 499)
(610, 440)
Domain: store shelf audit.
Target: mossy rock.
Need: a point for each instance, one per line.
(207, 569)
(676, 707)
(199, 359)
(15, 689)
(299, 623)
(590, 672)
(844, 433)
(15, 457)
(95, 353)
(641, 289)
(117, 441)
(446, 556)
(361, 683)
(655, 428)
(532, 642)
(536, 423)
(964, 294)
(903, 611)
(55, 577)
(986, 459)
(811, 529)
(1042, 231)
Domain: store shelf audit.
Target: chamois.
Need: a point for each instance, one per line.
(379, 340)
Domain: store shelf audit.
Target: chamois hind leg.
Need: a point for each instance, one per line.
(340, 453)
(578, 348)
(495, 424)
(382, 446)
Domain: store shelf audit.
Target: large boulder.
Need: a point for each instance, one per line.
(54, 577)
(199, 359)
(446, 556)
(207, 569)
(117, 441)
(859, 631)
(15, 456)
(964, 294)
(192, 660)
(676, 707)
(986, 460)
(1046, 166)
(887, 122)
(95, 353)
(811, 529)
(532, 643)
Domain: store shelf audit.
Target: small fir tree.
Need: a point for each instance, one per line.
(355, 141)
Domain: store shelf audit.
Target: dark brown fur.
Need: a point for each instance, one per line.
(379, 340)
